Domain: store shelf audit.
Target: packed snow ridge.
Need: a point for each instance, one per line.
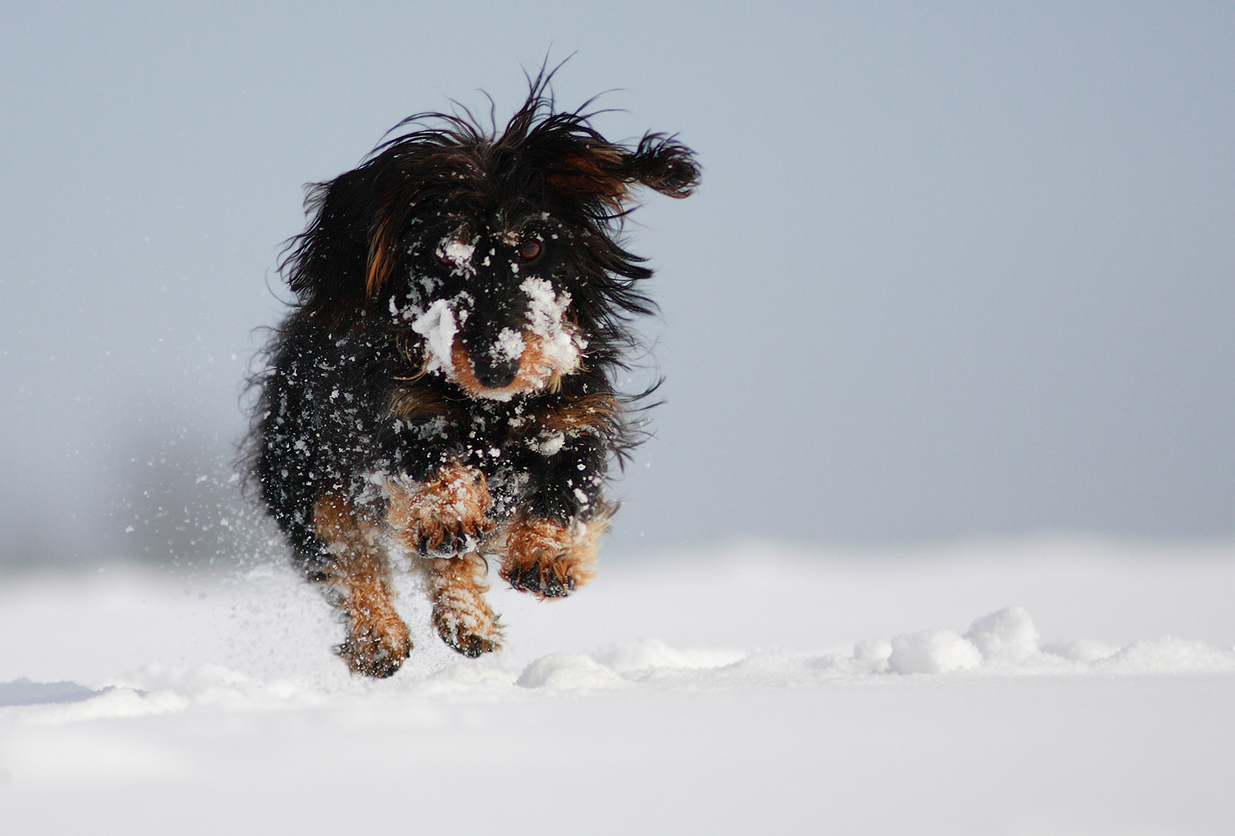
(755, 616)
(1002, 643)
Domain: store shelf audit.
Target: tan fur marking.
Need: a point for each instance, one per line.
(548, 559)
(538, 369)
(447, 510)
(377, 639)
(592, 412)
(592, 173)
(379, 259)
(462, 618)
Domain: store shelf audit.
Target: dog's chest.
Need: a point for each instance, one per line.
(489, 435)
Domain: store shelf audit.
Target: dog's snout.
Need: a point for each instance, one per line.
(496, 374)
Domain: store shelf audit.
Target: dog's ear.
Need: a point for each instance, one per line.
(664, 164)
(608, 171)
(341, 260)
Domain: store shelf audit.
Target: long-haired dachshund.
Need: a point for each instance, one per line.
(444, 385)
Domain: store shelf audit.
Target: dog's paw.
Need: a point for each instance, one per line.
(462, 640)
(460, 614)
(376, 649)
(548, 559)
(441, 517)
(544, 579)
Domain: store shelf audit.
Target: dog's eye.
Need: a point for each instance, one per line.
(530, 249)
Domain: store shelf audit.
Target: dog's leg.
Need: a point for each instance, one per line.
(444, 519)
(550, 546)
(377, 639)
(460, 614)
(550, 559)
(443, 516)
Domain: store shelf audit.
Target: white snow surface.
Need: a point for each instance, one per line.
(1042, 687)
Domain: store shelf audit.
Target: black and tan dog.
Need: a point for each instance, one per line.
(444, 384)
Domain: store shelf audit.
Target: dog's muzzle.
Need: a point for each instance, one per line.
(493, 374)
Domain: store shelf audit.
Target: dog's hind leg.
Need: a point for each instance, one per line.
(463, 619)
(377, 639)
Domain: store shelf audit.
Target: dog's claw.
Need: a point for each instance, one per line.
(540, 580)
(550, 559)
(468, 644)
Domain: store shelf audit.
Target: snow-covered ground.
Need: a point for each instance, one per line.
(1040, 687)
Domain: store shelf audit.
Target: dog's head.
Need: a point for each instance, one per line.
(498, 256)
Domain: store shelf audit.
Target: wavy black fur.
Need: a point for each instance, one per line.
(346, 400)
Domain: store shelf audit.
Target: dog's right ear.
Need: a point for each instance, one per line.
(336, 265)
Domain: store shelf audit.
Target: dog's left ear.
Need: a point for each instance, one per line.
(608, 171)
(663, 164)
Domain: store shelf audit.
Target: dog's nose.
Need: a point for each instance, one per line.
(496, 374)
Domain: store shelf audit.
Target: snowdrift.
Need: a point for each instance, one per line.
(1063, 686)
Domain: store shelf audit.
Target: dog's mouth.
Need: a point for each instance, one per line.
(507, 364)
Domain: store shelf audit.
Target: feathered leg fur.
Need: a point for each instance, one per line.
(456, 589)
(377, 639)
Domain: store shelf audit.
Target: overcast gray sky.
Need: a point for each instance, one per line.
(955, 270)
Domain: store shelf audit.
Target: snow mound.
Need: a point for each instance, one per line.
(932, 651)
(569, 671)
(1005, 637)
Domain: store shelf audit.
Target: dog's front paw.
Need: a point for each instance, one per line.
(543, 578)
(549, 559)
(376, 648)
(441, 517)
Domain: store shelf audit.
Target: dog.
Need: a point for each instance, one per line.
(443, 386)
